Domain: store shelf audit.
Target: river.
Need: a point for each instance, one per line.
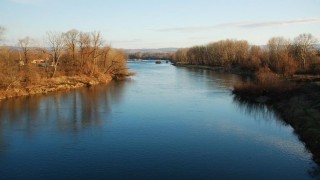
(166, 122)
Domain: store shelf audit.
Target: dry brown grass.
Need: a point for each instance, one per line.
(266, 83)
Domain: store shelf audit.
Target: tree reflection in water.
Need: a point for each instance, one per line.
(259, 111)
(69, 111)
(70, 132)
(264, 112)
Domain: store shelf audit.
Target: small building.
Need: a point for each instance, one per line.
(44, 64)
(21, 63)
(38, 61)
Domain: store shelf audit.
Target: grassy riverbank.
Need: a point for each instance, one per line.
(300, 108)
(296, 100)
(70, 60)
(61, 83)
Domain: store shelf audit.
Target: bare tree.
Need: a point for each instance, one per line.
(303, 45)
(25, 48)
(254, 60)
(57, 45)
(95, 45)
(241, 51)
(116, 64)
(278, 48)
(180, 56)
(105, 52)
(84, 46)
(71, 38)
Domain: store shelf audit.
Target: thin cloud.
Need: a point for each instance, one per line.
(27, 1)
(282, 23)
(242, 25)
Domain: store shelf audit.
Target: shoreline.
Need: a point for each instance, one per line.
(299, 107)
(221, 69)
(63, 83)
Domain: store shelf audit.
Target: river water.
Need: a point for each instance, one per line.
(166, 122)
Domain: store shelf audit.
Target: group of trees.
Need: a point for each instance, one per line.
(221, 53)
(69, 53)
(282, 56)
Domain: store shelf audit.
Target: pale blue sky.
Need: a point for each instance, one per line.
(165, 23)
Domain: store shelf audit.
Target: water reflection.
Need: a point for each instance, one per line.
(314, 172)
(20, 112)
(212, 79)
(81, 109)
(177, 123)
(70, 111)
(116, 90)
(257, 110)
(265, 112)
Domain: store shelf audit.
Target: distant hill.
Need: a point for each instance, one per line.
(160, 50)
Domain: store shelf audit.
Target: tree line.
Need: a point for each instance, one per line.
(68, 53)
(282, 56)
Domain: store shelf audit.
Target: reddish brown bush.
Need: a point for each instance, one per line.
(252, 64)
(265, 83)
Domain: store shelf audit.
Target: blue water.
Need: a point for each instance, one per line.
(166, 122)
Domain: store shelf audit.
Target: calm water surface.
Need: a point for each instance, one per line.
(166, 122)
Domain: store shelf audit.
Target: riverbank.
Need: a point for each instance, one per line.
(295, 100)
(299, 107)
(61, 83)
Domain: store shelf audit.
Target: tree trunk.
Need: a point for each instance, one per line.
(54, 70)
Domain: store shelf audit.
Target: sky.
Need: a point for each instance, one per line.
(133, 24)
